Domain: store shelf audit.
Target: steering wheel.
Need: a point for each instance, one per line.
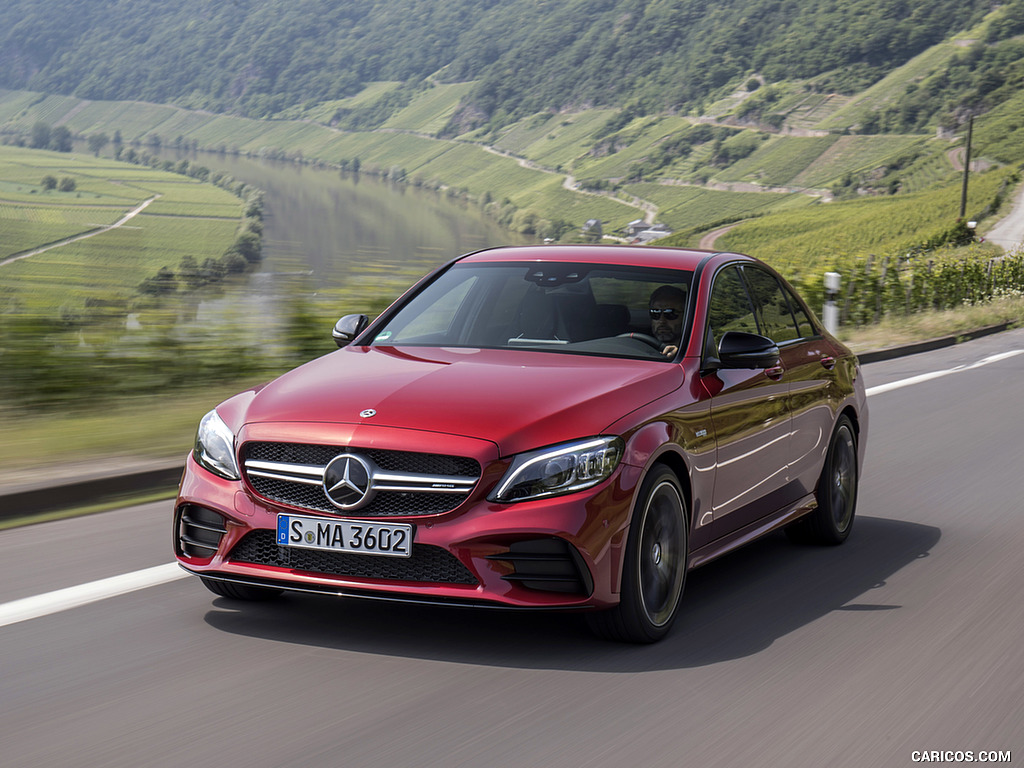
(645, 338)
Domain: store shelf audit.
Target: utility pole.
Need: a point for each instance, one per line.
(967, 167)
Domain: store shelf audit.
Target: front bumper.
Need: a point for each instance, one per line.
(560, 552)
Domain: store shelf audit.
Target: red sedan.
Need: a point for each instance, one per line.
(565, 427)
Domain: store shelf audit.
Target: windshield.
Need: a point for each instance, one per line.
(593, 309)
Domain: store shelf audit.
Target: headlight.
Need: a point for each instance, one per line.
(559, 469)
(215, 447)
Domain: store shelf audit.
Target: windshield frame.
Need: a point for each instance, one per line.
(550, 277)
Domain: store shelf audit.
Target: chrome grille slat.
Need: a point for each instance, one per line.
(285, 477)
(285, 468)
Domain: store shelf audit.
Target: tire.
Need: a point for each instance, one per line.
(654, 571)
(830, 523)
(245, 592)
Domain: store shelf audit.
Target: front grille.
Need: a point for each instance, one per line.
(427, 564)
(392, 461)
(404, 483)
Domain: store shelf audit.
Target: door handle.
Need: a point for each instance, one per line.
(828, 363)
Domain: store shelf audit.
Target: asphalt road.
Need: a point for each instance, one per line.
(908, 638)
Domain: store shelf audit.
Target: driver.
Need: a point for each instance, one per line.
(666, 307)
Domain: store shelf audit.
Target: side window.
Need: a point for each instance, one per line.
(803, 320)
(773, 312)
(729, 308)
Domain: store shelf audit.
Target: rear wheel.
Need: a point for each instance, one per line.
(831, 522)
(655, 565)
(245, 592)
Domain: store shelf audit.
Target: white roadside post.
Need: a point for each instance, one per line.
(830, 316)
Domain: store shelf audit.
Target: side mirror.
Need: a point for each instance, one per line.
(346, 329)
(747, 350)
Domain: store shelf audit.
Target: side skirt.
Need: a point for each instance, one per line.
(755, 530)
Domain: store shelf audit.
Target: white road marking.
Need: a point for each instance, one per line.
(939, 374)
(83, 594)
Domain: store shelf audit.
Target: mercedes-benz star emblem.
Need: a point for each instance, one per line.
(347, 481)
(367, 413)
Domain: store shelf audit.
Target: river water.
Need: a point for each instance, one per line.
(326, 232)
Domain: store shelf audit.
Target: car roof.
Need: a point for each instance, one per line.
(633, 255)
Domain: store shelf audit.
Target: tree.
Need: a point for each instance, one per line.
(40, 135)
(233, 263)
(213, 271)
(249, 247)
(188, 270)
(67, 184)
(60, 139)
(49, 182)
(97, 142)
(161, 284)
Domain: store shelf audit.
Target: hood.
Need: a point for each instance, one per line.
(517, 399)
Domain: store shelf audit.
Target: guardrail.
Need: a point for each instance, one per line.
(42, 496)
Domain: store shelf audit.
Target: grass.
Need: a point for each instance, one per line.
(851, 154)
(190, 218)
(681, 207)
(778, 160)
(430, 109)
(556, 141)
(897, 331)
(879, 94)
(24, 227)
(158, 427)
(112, 263)
(809, 238)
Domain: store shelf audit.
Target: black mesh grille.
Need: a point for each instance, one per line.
(384, 503)
(427, 564)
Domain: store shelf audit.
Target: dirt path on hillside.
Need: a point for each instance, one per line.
(75, 238)
(707, 242)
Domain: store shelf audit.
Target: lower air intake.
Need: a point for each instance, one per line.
(427, 564)
(200, 531)
(547, 565)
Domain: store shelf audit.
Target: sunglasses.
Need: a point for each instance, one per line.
(668, 314)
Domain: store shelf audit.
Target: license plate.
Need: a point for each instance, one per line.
(392, 539)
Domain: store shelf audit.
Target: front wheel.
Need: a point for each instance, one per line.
(657, 556)
(831, 522)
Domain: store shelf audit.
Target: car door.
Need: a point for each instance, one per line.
(749, 413)
(808, 361)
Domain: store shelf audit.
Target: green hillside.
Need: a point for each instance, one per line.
(552, 114)
(262, 57)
